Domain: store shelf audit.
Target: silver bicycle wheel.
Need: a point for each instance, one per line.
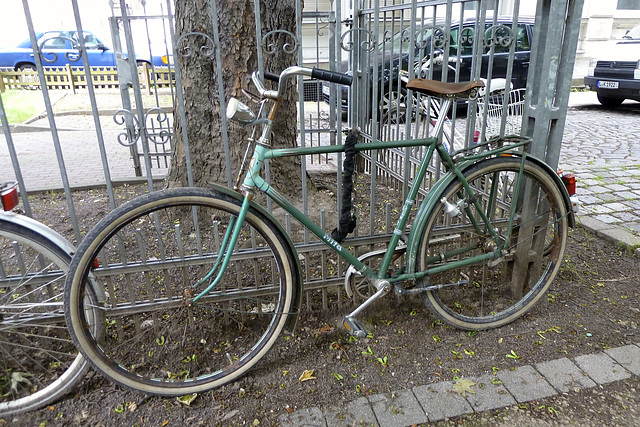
(493, 292)
(38, 360)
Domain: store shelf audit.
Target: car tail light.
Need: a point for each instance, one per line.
(9, 195)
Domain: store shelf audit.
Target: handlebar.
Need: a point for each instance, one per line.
(315, 73)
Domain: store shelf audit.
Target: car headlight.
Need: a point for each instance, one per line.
(592, 67)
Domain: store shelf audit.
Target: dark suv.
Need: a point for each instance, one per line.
(397, 53)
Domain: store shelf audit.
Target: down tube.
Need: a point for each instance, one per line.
(315, 229)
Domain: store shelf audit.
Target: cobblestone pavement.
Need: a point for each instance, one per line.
(599, 146)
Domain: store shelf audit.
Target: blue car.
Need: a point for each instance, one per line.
(60, 48)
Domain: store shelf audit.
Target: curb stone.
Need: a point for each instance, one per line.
(438, 401)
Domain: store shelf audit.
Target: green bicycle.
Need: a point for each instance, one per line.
(199, 283)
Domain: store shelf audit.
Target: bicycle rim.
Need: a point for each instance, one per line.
(494, 292)
(38, 360)
(152, 252)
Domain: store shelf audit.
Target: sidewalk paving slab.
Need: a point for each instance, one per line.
(440, 401)
(525, 384)
(602, 368)
(311, 417)
(355, 413)
(628, 356)
(489, 395)
(399, 408)
(564, 375)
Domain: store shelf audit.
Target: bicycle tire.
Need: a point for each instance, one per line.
(498, 291)
(156, 341)
(39, 358)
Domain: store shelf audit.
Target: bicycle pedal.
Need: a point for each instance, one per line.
(354, 327)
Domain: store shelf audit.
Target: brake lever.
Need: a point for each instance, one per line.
(252, 96)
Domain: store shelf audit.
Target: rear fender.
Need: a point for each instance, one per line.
(433, 198)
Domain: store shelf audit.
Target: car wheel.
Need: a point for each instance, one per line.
(28, 76)
(610, 102)
(393, 104)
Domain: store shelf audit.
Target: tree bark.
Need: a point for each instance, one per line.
(238, 52)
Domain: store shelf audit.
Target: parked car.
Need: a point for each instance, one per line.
(58, 51)
(396, 54)
(616, 76)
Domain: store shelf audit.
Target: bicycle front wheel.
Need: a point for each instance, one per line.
(527, 212)
(38, 361)
(147, 256)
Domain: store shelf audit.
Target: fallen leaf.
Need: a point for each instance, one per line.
(325, 328)
(21, 377)
(231, 415)
(187, 399)
(164, 423)
(288, 409)
(133, 406)
(307, 375)
(462, 387)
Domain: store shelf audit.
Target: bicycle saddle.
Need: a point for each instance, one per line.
(446, 90)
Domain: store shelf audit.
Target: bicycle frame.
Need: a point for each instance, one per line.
(253, 180)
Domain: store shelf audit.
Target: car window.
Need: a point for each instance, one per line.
(90, 41)
(54, 43)
(401, 41)
(633, 33)
(522, 39)
(501, 35)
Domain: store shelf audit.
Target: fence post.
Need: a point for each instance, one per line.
(72, 83)
(147, 79)
(2, 88)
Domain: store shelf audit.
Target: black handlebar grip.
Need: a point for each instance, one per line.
(331, 76)
(271, 76)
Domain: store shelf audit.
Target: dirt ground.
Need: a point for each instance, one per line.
(592, 305)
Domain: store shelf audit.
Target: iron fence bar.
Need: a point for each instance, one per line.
(52, 122)
(94, 106)
(124, 94)
(547, 97)
(180, 97)
(136, 93)
(223, 102)
(302, 129)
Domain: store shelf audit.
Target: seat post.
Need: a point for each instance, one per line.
(442, 117)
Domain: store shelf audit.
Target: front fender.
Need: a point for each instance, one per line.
(433, 198)
(298, 291)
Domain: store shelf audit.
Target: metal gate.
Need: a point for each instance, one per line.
(382, 43)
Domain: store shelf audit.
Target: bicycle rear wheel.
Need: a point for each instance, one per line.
(492, 293)
(38, 361)
(151, 253)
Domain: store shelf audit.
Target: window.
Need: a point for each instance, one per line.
(54, 43)
(628, 4)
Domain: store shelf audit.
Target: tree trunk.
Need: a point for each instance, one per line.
(238, 52)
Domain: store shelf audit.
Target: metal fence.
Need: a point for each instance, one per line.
(383, 43)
